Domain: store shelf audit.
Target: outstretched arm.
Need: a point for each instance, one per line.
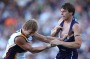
(20, 41)
(75, 44)
(46, 39)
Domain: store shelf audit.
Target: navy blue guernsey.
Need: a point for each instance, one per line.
(64, 52)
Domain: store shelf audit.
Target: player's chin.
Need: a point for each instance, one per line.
(64, 18)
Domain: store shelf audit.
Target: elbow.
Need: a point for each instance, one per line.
(78, 45)
(33, 50)
(52, 34)
(30, 50)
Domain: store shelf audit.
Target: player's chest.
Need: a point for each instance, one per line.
(66, 29)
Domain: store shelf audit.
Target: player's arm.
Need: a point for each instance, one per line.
(56, 29)
(76, 43)
(46, 39)
(20, 41)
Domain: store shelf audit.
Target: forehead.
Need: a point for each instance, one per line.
(63, 9)
(29, 30)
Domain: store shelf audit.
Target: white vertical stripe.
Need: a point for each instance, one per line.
(72, 55)
(59, 35)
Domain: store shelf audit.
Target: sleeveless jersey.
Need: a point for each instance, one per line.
(64, 52)
(13, 51)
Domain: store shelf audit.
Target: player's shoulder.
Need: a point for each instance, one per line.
(76, 23)
(60, 21)
(19, 40)
(76, 26)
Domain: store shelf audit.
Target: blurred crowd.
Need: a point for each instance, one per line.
(13, 13)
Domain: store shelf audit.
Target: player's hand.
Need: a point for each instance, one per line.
(58, 28)
(55, 42)
(48, 45)
(53, 45)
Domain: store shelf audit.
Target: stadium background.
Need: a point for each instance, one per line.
(13, 13)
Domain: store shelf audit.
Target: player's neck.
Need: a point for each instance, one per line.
(69, 19)
(22, 31)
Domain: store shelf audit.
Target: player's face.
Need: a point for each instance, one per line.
(65, 14)
(29, 32)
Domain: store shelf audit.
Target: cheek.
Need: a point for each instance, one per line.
(66, 14)
(28, 33)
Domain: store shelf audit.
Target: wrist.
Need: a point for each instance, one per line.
(61, 39)
(49, 45)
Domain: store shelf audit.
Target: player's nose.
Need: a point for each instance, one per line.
(61, 13)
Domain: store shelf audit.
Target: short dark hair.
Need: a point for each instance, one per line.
(31, 24)
(69, 7)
